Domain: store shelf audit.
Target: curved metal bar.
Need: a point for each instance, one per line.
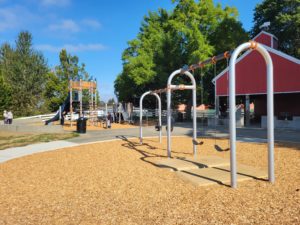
(141, 114)
(270, 109)
(169, 113)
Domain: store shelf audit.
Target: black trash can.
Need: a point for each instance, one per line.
(81, 125)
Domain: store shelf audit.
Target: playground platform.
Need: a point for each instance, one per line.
(209, 170)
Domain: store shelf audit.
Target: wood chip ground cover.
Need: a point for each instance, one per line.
(118, 183)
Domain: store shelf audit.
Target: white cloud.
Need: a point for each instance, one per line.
(13, 18)
(71, 48)
(91, 23)
(8, 19)
(55, 2)
(65, 26)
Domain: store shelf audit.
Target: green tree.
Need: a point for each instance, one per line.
(24, 70)
(57, 86)
(5, 95)
(169, 40)
(228, 34)
(284, 16)
(54, 92)
(6, 58)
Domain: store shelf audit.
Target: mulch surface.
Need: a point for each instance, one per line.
(117, 183)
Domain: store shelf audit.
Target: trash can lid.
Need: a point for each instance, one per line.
(82, 118)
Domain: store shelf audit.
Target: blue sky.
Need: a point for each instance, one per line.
(96, 31)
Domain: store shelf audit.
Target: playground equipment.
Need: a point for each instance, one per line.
(192, 87)
(63, 109)
(232, 104)
(80, 86)
(141, 114)
(67, 106)
(270, 108)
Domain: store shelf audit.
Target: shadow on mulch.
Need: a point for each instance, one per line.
(145, 154)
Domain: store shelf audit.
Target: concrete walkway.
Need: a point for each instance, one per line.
(12, 153)
(243, 134)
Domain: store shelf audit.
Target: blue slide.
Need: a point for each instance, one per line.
(65, 108)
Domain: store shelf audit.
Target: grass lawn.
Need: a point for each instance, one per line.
(13, 139)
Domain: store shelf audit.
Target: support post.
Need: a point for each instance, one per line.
(71, 102)
(247, 110)
(80, 98)
(232, 109)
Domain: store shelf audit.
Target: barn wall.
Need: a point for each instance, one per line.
(251, 76)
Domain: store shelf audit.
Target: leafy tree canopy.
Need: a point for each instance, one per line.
(284, 16)
(169, 40)
(23, 73)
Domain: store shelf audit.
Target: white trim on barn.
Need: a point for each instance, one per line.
(266, 33)
(282, 54)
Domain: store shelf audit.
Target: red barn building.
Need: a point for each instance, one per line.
(251, 85)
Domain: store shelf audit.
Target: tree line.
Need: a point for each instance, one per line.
(191, 32)
(27, 85)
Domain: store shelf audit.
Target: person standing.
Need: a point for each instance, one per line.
(9, 117)
(5, 117)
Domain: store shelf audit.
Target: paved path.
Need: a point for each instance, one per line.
(17, 152)
(243, 134)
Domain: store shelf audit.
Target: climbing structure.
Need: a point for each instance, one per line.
(79, 86)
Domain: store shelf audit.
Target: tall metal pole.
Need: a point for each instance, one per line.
(232, 109)
(96, 100)
(169, 114)
(270, 111)
(194, 121)
(159, 115)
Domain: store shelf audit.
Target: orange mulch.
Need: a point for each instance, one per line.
(98, 126)
(117, 182)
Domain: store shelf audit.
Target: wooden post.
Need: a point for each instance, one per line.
(71, 107)
(91, 103)
(80, 98)
(247, 110)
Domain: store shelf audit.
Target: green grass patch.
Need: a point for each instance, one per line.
(23, 140)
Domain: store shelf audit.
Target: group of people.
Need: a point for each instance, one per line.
(8, 117)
